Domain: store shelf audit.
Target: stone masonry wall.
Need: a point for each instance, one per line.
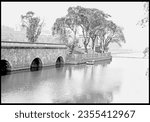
(21, 57)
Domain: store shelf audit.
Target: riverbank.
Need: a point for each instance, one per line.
(83, 58)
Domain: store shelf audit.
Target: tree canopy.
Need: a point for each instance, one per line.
(32, 24)
(93, 23)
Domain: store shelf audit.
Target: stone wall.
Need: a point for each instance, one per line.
(83, 58)
(20, 56)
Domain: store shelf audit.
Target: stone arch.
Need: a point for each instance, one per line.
(5, 67)
(59, 61)
(36, 64)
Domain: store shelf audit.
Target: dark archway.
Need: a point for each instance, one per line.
(36, 64)
(59, 62)
(5, 67)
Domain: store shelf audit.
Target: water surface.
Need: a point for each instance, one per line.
(122, 80)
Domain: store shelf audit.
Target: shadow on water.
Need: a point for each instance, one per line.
(59, 66)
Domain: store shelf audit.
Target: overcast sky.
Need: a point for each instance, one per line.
(125, 14)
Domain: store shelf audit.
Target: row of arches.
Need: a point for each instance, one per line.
(35, 65)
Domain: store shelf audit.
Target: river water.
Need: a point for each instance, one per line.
(120, 80)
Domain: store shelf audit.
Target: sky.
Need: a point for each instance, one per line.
(124, 14)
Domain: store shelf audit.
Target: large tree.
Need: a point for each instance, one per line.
(93, 23)
(85, 18)
(88, 20)
(33, 26)
(65, 27)
(114, 36)
(107, 32)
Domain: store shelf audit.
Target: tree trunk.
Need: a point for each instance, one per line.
(100, 47)
(108, 40)
(74, 42)
(102, 43)
(93, 43)
(72, 49)
(85, 46)
(86, 42)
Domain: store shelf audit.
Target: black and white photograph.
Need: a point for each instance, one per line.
(75, 52)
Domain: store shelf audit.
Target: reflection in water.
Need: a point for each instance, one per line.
(102, 82)
(89, 97)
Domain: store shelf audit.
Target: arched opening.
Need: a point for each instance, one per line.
(36, 64)
(59, 62)
(5, 67)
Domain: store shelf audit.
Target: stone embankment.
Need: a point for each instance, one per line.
(83, 58)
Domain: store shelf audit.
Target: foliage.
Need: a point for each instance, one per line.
(94, 24)
(145, 20)
(72, 45)
(146, 51)
(115, 36)
(64, 27)
(33, 26)
(143, 23)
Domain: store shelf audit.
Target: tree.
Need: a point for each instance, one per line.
(107, 32)
(115, 36)
(59, 26)
(65, 26)
(145, 20)
(146, 51)
(93, 23)
(143, 23)
(89, 19)
(33, 26)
